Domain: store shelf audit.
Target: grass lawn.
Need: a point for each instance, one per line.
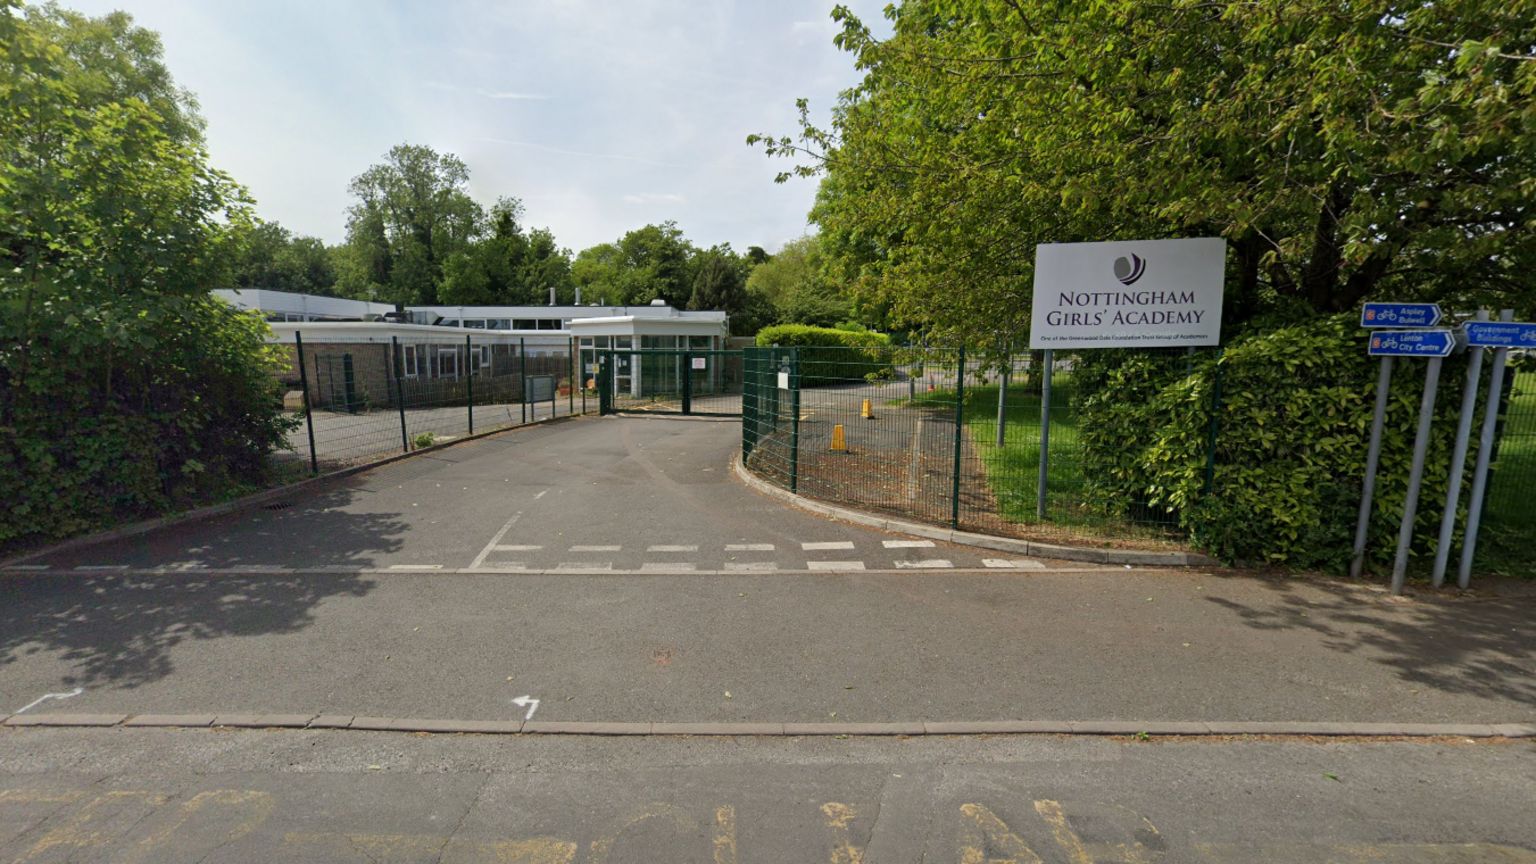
(1507, 541)
(1013, 469)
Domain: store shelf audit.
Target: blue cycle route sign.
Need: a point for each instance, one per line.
(1500, 334)
(1400, 315)
(1412, 343)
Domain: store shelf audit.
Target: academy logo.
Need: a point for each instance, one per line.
(1128, 270)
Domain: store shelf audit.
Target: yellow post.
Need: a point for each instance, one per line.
(839, 444)
(868, 413)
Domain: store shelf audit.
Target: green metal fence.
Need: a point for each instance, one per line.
(667, 381)
(1509, 521)
(359, 401)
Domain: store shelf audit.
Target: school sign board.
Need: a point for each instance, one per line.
(1128, 294)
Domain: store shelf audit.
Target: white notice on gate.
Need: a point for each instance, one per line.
(1128, 294)
(698, 362)
(783, 380)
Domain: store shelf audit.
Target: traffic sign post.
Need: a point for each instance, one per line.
(1401, 315)
(1372, 457)
(1416, 472)
(1475, 331)
(1458, 460)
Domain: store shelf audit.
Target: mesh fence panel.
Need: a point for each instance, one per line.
(373, 399)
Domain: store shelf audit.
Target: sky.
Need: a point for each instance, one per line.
(600, 115)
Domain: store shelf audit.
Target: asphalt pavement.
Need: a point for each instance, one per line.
(614, 570)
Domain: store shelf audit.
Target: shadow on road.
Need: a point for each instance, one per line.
(1477, 646)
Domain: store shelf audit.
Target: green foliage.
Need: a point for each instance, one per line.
(273, 258)
(793, 283)
(654, 262)
(424, 440)
(829, 356)
(1291, 430)
(1345, 151)
(124, 388)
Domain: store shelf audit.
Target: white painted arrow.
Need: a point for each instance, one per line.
(528, 702)
(46, 696)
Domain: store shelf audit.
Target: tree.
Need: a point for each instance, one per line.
(649, 263)
(125, 389)
(1344, 151)
(271, 257)
(793, 284)
(412, 215)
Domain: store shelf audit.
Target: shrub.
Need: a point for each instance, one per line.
(830, 356)
(1291, 434)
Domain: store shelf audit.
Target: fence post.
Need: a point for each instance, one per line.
(687, 382)
(1210, 438)
(309, 420)
(469, 378)
(570, 391)
(1002, 396)
(522, 371)
(794, 419)
(954, 496)
(394, 369)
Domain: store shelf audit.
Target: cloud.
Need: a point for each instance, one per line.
(656, 198)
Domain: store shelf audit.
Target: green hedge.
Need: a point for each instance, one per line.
(829, 356)
(178, 407)
(1291, 432)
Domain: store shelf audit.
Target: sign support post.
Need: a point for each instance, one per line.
(1045, 434)
(1458, 460)
(1484, 455)
(1372, 458)
(1416, 472)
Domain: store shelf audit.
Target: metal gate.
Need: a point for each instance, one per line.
(667, 381)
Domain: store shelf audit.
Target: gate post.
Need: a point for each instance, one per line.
(394, 368)
(687, 383)
(954, 492)
(522, 370)
(309, 420)
(604, 382)
(469, 381)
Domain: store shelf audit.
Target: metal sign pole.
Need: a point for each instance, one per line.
(1484, 456)
(1416, 473)
(1372, 458)
(1002, 397)
(1458, 460)
(1045, 434)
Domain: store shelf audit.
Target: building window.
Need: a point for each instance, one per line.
(549, 323)
(480, 359)
(410, 361)
(448, 363)
(525, 324)
(498, 324)
(475, 323)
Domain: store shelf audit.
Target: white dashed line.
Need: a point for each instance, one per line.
(486, 552)
(502, 565)
(28, 567)
(596, 548)
(1013, 563)
(834, 565)
(516, 548)
(693, 548)
(928, 564)
(907, 544)
(819, 547)
(749, 547)
(101, 567)
(660, 566)
(415, 566)
(584, 565)
(760, 566)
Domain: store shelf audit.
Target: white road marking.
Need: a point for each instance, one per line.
(1013, 563)
(503, 565)
(751, 565)
(28, 567)
(834, 565)
(907, 544)
(928, 564)
(491, 546)
(541, 495)
(659, 566)
(584, 565)
(46, 696)
(693, 548)
(528, 702)
(101, 567)
(516, 548)
(415, 566)
(835, 544)
(596, 548)
(749, 547)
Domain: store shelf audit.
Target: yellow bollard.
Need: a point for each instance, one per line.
(839, 444)
(867, 413)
